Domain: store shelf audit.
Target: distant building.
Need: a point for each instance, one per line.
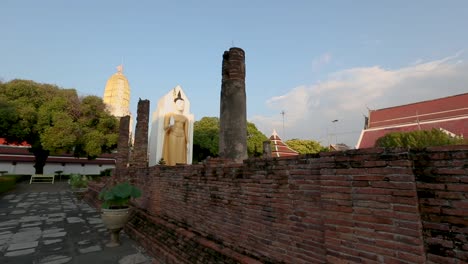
(339, 147)
(117, 94)
(16, 159)
(279, 148)
(448, 113)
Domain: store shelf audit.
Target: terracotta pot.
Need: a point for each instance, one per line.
(114, 220)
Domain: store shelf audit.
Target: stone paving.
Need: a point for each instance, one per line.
(49, 225)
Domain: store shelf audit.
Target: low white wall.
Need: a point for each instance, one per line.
(51, 168)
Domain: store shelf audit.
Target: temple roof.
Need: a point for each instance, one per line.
(447, 113)
(279, 148)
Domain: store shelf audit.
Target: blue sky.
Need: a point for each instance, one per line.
(316, 60)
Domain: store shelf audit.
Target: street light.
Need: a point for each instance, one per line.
(334, 128)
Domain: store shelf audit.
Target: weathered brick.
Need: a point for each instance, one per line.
(457, 187)
(394, 185)
(436, 226)
(373, 191)
(452, 195)
(460, 204)
(373, 219)
(431, 186)
(455, 211)
(411, 257)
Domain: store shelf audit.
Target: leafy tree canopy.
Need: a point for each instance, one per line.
(55, 120)
(418, 139)
(255, 140)
(304, 146)
(206, 139)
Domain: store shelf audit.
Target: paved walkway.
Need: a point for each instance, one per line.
(45, 223)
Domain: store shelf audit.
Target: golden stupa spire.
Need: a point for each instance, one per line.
(120, 69)
(117, 94)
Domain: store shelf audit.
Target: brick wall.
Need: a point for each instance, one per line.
(442, 182)
(359, 206)
(369, 208)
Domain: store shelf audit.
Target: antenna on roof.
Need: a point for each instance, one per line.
(283, 113)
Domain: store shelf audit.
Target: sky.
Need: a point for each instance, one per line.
(316, 61)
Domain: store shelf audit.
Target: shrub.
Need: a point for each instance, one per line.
(418, 139)
(78, 181)
(7, 183)
(119, 195)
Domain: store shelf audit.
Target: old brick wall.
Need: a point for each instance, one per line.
(442, 182)
(370, 208)
(359, 206)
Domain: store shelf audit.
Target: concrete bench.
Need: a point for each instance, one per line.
(42, 178)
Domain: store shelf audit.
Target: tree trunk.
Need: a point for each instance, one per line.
(41, 156)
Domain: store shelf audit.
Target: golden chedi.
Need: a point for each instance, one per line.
(117, 94)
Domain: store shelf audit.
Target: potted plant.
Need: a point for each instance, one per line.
(79, 185)
(115, 208)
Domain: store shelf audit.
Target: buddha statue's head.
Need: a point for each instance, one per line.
(179, 102)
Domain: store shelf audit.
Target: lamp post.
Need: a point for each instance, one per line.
(334, 130)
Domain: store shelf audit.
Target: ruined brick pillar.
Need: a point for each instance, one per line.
(267, 149)
(140, 146)
(233, 112)
(123, 148)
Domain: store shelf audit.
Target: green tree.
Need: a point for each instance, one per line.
(418, 139)
(255, 140)
(303, 146)
(54, 120)
(206, 139)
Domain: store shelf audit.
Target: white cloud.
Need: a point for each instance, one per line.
(346, 94)
(324, 59)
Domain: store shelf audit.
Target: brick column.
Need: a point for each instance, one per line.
(140, 147)
(123, 147)
(233, 110)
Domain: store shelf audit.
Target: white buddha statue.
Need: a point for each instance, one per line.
(171, 137)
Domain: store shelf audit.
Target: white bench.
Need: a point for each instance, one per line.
(42, 178)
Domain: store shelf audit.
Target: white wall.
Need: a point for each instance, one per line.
(19, 168)
(51, 168)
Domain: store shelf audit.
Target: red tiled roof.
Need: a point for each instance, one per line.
(437, 109)
(449, 113)
(3, 142)
(279, 148)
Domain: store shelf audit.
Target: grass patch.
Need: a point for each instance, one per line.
(7, 183)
